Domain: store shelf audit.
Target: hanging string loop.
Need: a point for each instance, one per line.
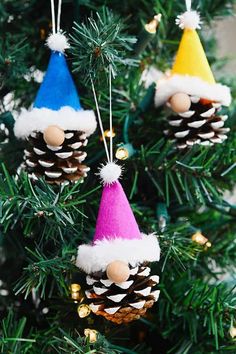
(188, 5)
(109, 153)
(56, 28)
(110, 111)
(100, 120)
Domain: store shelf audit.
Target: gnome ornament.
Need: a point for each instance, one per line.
(56, 127)
(191, 92)
(120, 284)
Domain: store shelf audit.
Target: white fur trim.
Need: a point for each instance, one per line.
(57, 42)
(189, 19)
(95, 257)
(66, 118)
(191, 85)
(110, 173)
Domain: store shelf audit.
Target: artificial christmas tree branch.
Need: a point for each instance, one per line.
(41, 268)
(103, 42)
(12, 338)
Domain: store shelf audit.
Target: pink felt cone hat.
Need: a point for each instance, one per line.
(117, 235)
(115, 217)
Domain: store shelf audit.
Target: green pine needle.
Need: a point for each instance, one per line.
(100, 43)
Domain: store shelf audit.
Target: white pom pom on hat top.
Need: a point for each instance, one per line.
(189, 20)
(110, 173)
(57, 42)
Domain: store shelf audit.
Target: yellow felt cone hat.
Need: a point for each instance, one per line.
(191, 72)
(191, 59)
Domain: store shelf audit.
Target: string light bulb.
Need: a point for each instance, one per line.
(151, 27)
(75, 287)
(108, 134)
(91, 334)
(232, 331)
(42, 34)
(124, 151)
(162, 215)
(76, 292)
(146, 35)
(200, 239)
(83, 310)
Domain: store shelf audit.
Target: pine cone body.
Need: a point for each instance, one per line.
(201, 125)
(125, 302)
(57, 164)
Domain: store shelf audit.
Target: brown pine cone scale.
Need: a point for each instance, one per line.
(60, 164)
(124, 302)
(201, 125)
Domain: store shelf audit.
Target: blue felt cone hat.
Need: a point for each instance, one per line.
(57, 101)
(57, 89)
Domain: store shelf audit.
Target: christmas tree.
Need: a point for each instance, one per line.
(180, 189)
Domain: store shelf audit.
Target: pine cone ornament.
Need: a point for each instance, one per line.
(57, 127)
(58, 164)
(126, 301)
(192, 92)
(202, 124)
(116, 263)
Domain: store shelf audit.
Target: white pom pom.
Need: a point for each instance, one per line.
(189, 19)
(58, 42)
(110, 173)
